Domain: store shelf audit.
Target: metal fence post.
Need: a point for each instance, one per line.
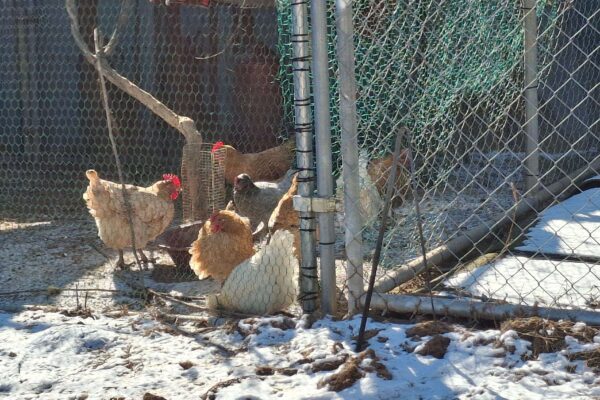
(349, 139)
(323, 148)
(303, 128)
(532, 168)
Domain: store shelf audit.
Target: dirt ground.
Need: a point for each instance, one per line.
(39, 258)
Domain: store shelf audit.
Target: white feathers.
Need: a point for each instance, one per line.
(263, 284)
(371, 202)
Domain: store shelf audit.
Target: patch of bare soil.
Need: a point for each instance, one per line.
(548, 336)
(353, 369)
(429, 328)
(436, 347)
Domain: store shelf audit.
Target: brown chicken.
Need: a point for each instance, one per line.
(284, 216)
(224, 241)
(268, 165)
(379, 171)
(152, 211)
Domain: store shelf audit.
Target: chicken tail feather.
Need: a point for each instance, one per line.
(92, 175)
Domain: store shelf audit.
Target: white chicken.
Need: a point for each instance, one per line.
(371, 202)
(263, 284)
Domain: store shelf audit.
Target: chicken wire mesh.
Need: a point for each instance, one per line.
(453, 74)
(214, 62)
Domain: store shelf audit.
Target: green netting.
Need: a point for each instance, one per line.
(451, 71)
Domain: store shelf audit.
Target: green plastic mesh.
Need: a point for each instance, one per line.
(427, 65)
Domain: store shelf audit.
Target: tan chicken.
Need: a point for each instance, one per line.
(370, 202)
(224, 241)
(379, 171)
(268, 165)
(285, 217)
(152, 211)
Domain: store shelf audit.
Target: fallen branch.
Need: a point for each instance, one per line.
(197, 307)
(56, 290)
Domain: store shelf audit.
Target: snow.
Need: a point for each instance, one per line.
(523, 280)
(571, 228)
(46, 355)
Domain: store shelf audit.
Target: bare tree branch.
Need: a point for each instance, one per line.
(124, 14)
(186, 126)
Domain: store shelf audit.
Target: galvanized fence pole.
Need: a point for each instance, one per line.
(320, 70)
(349, 139)
(303, 127)
(532, 168)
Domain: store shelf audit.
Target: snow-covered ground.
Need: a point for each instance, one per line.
(47, 355)
(570, 228)
(522, 280)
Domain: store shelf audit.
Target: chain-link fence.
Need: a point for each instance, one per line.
(486, 116)
(496, 97)
(180, 77)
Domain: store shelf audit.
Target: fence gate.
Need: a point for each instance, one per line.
(500, 101)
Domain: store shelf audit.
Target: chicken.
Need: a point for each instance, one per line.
(257, 200)
(224, 241)
(265, 283)
(284, 216)
(152, 211)
(379, 171)
(268, 165)
(371, 202)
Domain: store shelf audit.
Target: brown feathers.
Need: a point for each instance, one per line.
(223, 243)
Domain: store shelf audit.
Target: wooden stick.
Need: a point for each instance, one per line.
(389, 191)
(124, 192)
(124, 14)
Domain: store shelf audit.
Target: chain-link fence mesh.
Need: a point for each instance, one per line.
(453, 74)
(214, 62)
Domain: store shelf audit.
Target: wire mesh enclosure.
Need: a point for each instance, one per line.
(179, 77)
(501, 104)
(496, 103)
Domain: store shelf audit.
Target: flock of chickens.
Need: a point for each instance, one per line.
(256, 282)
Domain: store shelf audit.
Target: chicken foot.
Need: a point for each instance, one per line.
(121, 262)
(145, 260)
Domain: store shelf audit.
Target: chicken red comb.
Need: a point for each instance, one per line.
(217, 146)
(172, 178)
